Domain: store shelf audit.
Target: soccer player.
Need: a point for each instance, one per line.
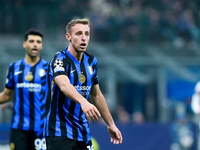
(26, 79)
(72, 78)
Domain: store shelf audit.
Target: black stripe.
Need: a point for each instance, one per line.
(52, 118)
(11, 69)
(71, 118)
(61, 114)
(43, 96)
(42, 108)
(72, 103)
(31, 102)
(43, 115)
(51, 101)
(48, 90)
(91, 57)
(83, 70)
(21, 98)
(43, 92)
(92, 79)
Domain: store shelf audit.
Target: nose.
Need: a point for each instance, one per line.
(35, 43)
(83, 37)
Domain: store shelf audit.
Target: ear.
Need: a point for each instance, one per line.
(68, 37)
(24, 45)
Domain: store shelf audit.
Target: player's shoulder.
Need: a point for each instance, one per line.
(43, 61)
(90, 56)
(59, 54)
(16, 63)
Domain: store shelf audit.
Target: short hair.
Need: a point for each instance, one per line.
(32, 31)
(73, 22)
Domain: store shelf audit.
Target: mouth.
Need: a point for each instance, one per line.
(34, 50)
(83, 45)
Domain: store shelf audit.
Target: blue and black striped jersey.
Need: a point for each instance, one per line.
(29, 83)
(65, 117)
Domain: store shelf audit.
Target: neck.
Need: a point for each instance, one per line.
(32, 60)
(75, 53)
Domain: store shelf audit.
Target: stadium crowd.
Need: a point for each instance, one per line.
(112, 20)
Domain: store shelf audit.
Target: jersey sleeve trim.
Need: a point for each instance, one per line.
(9, 87)
(59, 73)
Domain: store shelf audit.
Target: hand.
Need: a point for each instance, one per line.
(3, 107)
(115, 134)
(6, 106)
(90, 111)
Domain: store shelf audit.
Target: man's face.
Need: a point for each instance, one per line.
(33, 45)
(79, 37)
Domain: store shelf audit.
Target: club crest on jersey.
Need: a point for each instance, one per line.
(58, 64)
(29, 77)
(82, 78)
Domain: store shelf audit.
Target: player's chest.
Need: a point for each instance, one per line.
(81, 73)
(29, 74)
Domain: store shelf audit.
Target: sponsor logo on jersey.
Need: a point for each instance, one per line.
(32, 87)
(85, 90)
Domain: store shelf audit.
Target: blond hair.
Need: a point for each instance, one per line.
(73, 22)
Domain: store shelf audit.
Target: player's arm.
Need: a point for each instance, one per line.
(6, 95)
(100, 102)
(68, 89)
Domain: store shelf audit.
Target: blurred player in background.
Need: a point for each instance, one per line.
(195, 104)
(72, 78)
(26, 80)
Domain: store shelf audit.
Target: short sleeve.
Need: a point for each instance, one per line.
(10, 77)
(58, 66)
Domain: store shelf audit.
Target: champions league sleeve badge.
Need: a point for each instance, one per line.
(58, 66)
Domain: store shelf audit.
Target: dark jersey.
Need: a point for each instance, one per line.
(29, 85)
(65, 117)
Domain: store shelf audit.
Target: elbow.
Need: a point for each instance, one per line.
(62, 88)
(65, 89)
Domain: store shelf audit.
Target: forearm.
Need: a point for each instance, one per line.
(69, 90)
(72, 93)
(100, 103)
(5, 97)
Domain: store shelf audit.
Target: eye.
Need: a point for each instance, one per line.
(78, 33)
(31, 41)
(87, 33)
(39, 42)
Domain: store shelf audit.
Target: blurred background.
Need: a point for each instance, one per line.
(148, 57)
